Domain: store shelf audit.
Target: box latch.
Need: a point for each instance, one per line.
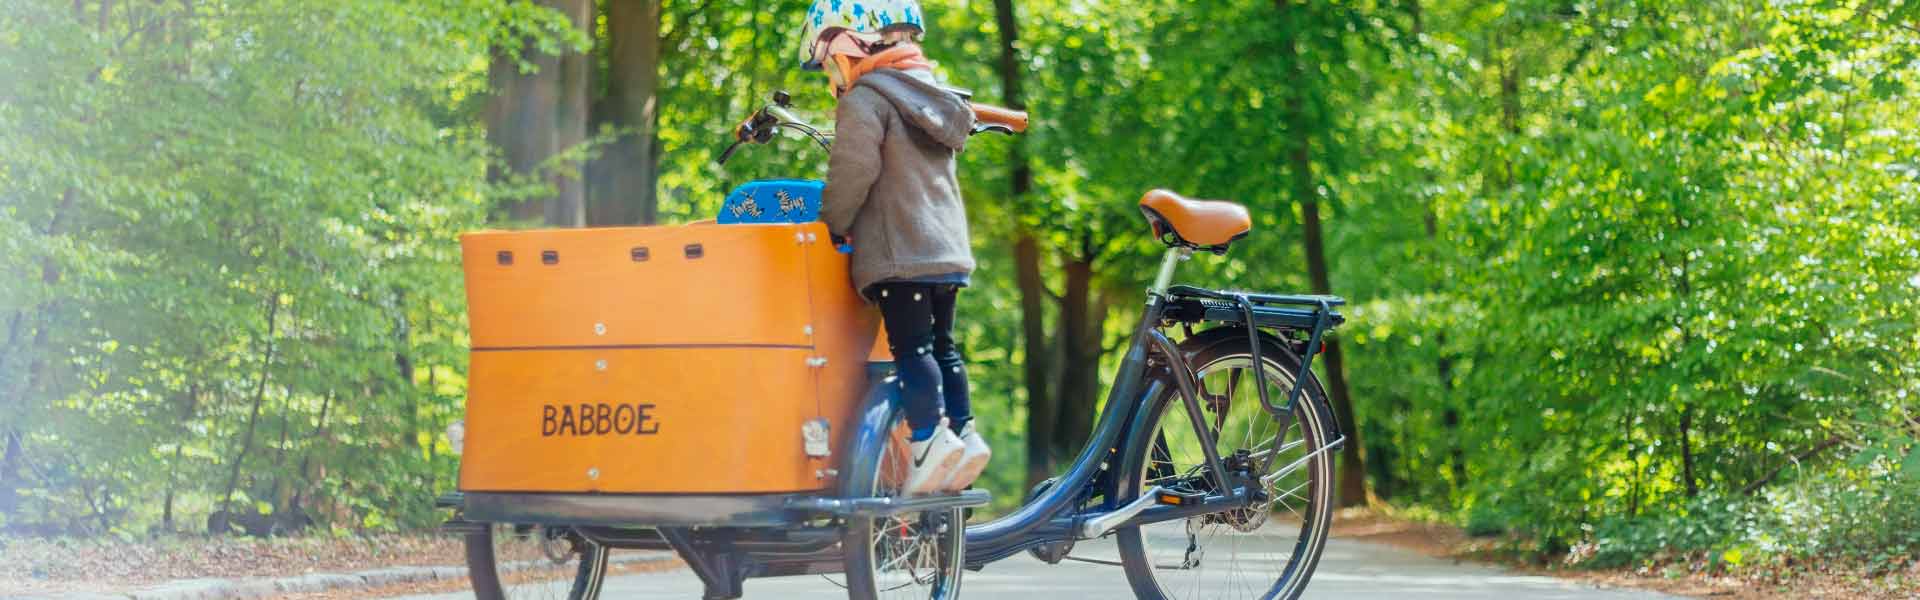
(814, 435)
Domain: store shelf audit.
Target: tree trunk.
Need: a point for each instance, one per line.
(403, 366)
(1353, 470)
(1686, 406)
(1686, 449)
(1042, 404)
(627, 174)
(1076, 304)
(259, 394)
(10, 475)
(279, 488)
(569, 208)
(306, 458)
(521, 118)
(1450, 417)
(50, 275)
(173, 468)
(1079, 368)
(1010, 66)
(1509, 105)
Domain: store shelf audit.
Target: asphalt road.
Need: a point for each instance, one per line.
(1349, 571)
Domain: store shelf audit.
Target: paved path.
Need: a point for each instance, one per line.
(1350, 570)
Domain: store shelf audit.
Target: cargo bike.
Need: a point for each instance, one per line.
(718, 390)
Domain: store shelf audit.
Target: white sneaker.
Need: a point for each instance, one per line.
(933, 461)
(972, 461)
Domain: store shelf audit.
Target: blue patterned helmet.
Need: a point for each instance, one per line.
(871, 17)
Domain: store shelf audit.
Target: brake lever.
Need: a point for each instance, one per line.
(979, 129)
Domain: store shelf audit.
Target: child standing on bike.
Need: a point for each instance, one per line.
(892, 191)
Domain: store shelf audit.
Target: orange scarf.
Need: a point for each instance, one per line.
(903, 57)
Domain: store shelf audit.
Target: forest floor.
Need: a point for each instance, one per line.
(1777, 582)
(40, 566)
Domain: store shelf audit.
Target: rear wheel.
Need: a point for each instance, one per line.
(1267, 551)
(912, 555)
(529, 562)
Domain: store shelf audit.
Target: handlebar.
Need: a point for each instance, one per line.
(994, 118)
(764, 124)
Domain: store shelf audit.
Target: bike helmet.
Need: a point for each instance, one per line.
(868, 18)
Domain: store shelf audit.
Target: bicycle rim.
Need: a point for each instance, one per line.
(909, 556)
(508, 562)
(1265, 552)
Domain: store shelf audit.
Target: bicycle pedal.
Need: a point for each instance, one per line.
(1179, 498)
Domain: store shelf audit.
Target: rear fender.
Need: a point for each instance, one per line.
(1280, 349)
(876, 416)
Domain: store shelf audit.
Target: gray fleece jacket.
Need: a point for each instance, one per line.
(891, 184)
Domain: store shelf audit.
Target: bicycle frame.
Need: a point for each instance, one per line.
(1152, 366)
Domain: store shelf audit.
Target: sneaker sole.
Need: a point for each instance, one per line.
(968, 472)
(928, 486)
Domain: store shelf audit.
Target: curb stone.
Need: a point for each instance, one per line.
(252, 588)
(226, 589)
(318, 582)
(385, 577)
(189, 589)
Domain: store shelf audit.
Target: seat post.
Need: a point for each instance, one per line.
(1174, 255)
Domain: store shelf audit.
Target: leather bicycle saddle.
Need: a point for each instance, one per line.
(1200, 224)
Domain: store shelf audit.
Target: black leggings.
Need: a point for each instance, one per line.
(919, 321)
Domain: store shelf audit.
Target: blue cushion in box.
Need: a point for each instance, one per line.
(773, 201)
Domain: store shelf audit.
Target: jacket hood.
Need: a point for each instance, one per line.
(941, 114)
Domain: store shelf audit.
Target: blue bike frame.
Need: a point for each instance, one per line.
(1152, 367)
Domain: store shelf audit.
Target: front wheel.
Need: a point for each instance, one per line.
(1267, 551)
(527, 562)
(907, 556)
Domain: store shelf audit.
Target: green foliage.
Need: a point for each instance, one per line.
(1669, 259)
(1862, 516)
(1628, 278)
(231, 249)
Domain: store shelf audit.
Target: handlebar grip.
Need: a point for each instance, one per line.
(744, 131)
(1015, 120)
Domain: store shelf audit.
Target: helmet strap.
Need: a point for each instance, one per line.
(844, 74)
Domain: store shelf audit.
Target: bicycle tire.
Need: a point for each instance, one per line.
(484, 569)
(874, 572)
(1311, 417)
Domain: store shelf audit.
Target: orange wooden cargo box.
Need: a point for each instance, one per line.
(672, 359)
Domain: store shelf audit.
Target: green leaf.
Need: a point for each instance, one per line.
(1865, 457)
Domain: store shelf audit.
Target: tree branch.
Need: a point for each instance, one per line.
(1797, 459)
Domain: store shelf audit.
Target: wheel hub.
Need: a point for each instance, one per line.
(555, 545)
(1241, 470)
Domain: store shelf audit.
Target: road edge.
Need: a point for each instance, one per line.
(266, 587)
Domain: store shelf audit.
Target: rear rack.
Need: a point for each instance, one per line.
(1297, 299)
(1262, 310)
(1273, 311)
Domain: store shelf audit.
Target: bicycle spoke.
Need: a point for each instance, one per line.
(1244, 552)
(907, 555)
